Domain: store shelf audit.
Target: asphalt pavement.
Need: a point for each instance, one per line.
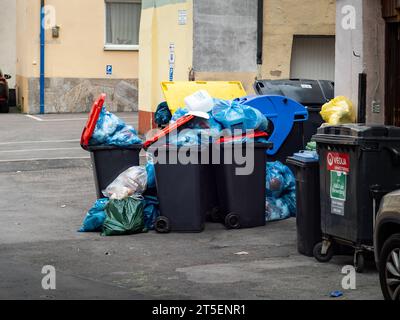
(46, 187)
(45, 139)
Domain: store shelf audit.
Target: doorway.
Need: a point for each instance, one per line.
(392, 96)
(313, 57)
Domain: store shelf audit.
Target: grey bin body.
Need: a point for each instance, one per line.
(308, 204)
(109, 162)
(373, 153)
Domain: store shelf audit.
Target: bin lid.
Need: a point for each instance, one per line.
(307, 156)
(168, 129)
(109, 148)
(361, 131)
(304, 159)
(92, 121)
(307, 92)
(176, 92)
(283, 112)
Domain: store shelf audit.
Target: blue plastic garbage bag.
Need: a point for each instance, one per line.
(179, 113)
(151, 175)
(112, 131)
(151, 211)
(281, 192)
(209, 127)
(188, 138)
(276, 209)
(124, 138)
(233, 115)
(280, 179)
(96, 216)
(197, 131)
(163, 114)
(290, 199)
(280, 208)
(199, 123)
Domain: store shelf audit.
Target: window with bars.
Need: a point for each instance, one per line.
(122, 24)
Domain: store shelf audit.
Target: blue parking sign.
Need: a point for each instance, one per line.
(109, 69)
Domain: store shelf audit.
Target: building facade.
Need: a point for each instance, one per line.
(8, 27)
(96, 46)
(219, 40)
(368, 43)
(90, 47)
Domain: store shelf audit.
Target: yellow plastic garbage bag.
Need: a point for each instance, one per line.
(338, 111)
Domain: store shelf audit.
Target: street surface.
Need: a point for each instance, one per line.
(46, 187)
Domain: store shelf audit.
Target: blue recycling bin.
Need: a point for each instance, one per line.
(287, 118)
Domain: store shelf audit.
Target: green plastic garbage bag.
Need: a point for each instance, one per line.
(124, 217)
(311, 146)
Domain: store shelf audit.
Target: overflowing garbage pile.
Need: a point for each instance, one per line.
(126, 207)
(130, 204)
(222, 119)
(230, 116)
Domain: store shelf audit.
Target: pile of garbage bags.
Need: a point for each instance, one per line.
(280, 203)
(112, 131)
(235, 116)
(225, 117)
(126, 209)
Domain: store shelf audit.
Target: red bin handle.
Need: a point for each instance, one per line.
(257, 134)
(167, 130)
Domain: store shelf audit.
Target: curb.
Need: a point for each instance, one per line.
(44, 164)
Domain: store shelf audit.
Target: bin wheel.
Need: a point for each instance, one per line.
(232, 221)
(323, 258)
(215, 215)
(359, 262)
(162, 225)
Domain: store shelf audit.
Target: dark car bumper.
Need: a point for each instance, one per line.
(387, 224)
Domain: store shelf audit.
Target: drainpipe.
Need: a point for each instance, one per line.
(362, 98)
(42, 57)
(260, 29)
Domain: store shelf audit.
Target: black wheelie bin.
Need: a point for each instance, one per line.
(306, 170)
(182, 177)
(109, 162)
(355, 161)
(313, 94)
(241, 184)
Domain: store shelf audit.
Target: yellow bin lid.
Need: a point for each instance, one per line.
(176, 92)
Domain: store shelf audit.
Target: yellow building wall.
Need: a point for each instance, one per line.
(77, 53)
(285, 18)
(159, 28)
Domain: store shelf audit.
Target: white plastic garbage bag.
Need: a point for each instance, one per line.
(132, 182)
(199, 101)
